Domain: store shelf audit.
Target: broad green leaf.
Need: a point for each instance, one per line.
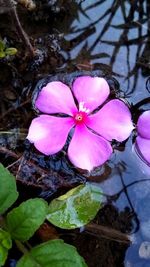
(10, 51)
(5, 245)
(24, 220)
(8, 191)
(76, 208)
(54, 253)
(2, 54)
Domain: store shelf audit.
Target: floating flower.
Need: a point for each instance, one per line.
(90, 146)
(143, 138)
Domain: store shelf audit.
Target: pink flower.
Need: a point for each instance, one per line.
(143, 138)
(90, 146)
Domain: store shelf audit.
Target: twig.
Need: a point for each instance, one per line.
(9, 152)
(108, 233)
(11, 165)
(23, 35)
(12, 109)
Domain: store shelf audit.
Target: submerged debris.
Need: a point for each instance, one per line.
(29, 4)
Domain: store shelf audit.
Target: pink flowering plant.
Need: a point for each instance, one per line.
(93, 131)
(143, 136)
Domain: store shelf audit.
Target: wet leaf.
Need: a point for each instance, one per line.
(5, 245)
(24, 220)
(8, 191)
(11, 51)
(53, 253)
(76, 208)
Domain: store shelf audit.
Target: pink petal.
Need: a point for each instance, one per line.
(113, 121)
(143, 146)
(93, 91)
(88, 150)
(143, 125)
(56, 97)
(49, 133)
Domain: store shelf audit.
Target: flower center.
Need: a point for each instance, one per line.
(79, 117)
(82, 115)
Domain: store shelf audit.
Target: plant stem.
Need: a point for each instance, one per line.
(21, 247)
(2, 222)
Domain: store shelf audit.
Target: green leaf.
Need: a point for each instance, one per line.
(8, 191)
(76, 208)
(24, 220)
(5, 245)
(53, 253)
(2, 45)
(10, 51)
(2, 54)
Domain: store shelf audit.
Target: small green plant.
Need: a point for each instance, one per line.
(74, 209)
(6, 51)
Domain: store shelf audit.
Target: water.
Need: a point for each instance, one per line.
(117, 39)
(112, 37)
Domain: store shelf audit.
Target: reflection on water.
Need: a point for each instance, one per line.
(114, 36)
(115, 33)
